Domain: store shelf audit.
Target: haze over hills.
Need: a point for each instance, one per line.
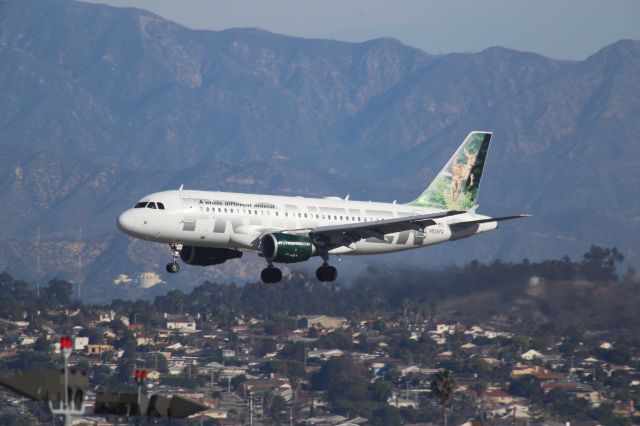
(102, 105)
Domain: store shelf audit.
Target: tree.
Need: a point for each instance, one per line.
(599, 264)
(527, 387)
(58, 292)
(380, 391)
(443, 385)
(277, 409)
(94, 334)
(267, 346)
(42, 345)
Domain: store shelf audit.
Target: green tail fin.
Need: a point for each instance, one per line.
(456, 186)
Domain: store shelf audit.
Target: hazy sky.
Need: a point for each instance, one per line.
(567, 29)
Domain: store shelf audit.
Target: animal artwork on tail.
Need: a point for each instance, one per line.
(457, 184)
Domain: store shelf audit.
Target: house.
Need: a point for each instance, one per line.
(27, 340)
(176, 369)
(143, 340)
(530, 355)
(106, 317)
(396, 400)
(497, 396)
(98, 349)
(407, 369)
(324, 353)
(153, 375)
(277, 386)
(175, 347)
(233, 371)
(80, 343)
(323, 321)
(184, 326)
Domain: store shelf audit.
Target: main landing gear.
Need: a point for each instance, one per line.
(173, 266)
(326, 272)
(271, 274)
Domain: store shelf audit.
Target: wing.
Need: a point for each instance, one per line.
(334, 236)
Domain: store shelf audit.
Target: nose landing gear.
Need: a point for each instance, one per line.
(173, 266)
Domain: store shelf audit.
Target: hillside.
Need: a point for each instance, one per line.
(100, 105)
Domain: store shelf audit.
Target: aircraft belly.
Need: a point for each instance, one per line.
(399, 241)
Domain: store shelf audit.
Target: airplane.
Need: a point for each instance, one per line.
(207, 228)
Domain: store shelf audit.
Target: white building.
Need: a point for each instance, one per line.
(79, 343)
(182, 326)
(531, 354)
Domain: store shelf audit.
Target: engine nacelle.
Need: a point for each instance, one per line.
(207, 256)
(286, 248)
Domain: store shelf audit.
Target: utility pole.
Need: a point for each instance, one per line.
(140, 376)
(251, 409)
(79, 278)
(64, 408)
(38, 271)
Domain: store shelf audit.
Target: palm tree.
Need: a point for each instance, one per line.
(443, 385)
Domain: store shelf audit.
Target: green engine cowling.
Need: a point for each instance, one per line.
(287, 248)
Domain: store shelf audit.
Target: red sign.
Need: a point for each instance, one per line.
(140, 375)
(65, 343)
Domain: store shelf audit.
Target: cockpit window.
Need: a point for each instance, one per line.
(151, 205)
(160, 206)
(140, 205)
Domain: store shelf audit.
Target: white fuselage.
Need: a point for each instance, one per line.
(237, 221)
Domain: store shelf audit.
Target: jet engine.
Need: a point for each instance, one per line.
(287, 248)
(207, 256)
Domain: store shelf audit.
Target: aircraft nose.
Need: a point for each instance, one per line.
(126, 221)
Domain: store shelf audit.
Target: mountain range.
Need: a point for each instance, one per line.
(101, 105)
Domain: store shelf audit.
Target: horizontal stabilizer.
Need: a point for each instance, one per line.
(487, 220)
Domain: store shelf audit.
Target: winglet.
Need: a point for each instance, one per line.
(181, 187)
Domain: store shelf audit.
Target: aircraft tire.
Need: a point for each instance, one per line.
(173, 267)
(271, 275)
(326, 273)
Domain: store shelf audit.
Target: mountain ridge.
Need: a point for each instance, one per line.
(102, 105)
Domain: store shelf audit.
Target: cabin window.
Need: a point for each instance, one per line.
(276, 213)
(305, 215)
(140, 205)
